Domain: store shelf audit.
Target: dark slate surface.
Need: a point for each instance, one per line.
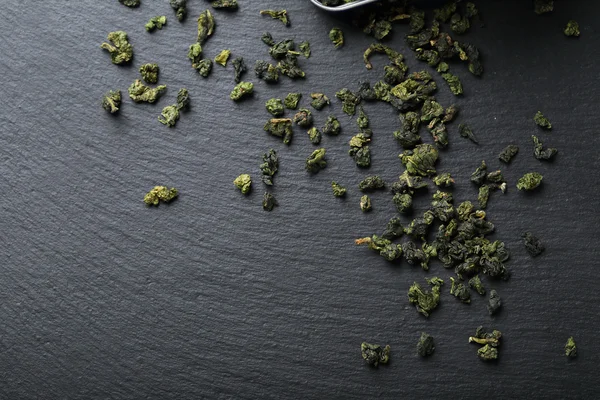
(211, 297)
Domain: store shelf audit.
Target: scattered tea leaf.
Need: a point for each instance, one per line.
(241, 90)
(374, 354)
(571, 348)
(180, 8)
(542, 121)
(365, 203)
(465, 131)
(275, 107)
(142, 93)
(572, 29)
(160, 194)
(277, 14)
(475, 283)
(338, 190)
(111, 101)
(305, 49)
(239, 68)
(543, 6)
(269, 166)
(156, 23)
(149, 72)
(490, 342)
(336, 35)
(280, 127)
(460, 291)
(540, 152)
(314, 135)
(316, 161)
(370, 183)
(332, 126)
(319, 101)
(425, 301)
(269, 202)
(225, 4)
(533, 245)
(243, 183)
(291, 100)
(121, 51)
(130, 3)
(508, 153)
(206, 23)
(529, 181)
(425, 346)
(494, 302)
(222, 57)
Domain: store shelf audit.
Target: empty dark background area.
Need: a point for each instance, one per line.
(210, 296)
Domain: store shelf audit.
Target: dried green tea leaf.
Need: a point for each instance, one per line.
(277, 14)
(243, 183)
(241, 90)
(374, 354)
(180, 8)
(336, 35)
(206, 24)
(304, 49)
(465, 131)
(540, 152)
(226, 4)
(316, 161)
(280, 127)
(156, 23)
(149, 72)
(338, 190)
(121, 51)
(508, 153)
(269, 166)
(417, 20)
(460, 291)
(425, 345)
(222, 57)
(533, 245)
(393, 229)
(454, 83)
(543, 6)
(130, 3)
(359, 149)
(431, 109)
(431, 57)
(332, 126)
(408, 136)
(370, 183)
(459, 24)
(423, 300)
(444, 13)
(111, 101)
(464, 210)
(572, 29)
(239, 68)
(529, 181)
(319, 101)
(349, 100)
(195, 54)
(291, 100)
(160, 193)
(483, 196)
(378, 28)
(363, 120)
(290, 68)
(284, 48)
(266, 71)
(403, 202)
(480, 174)
(140, 92)
(494, 302)
(269, 202)
(571, 348)
(542, 121)
(275, 107)
(490, 342)
(395, 57)
(420, 161)
(170, 114)
(444, 180)
(475, 283)
(314, 135)
(267, 39)
(365, 203)
(303, 117)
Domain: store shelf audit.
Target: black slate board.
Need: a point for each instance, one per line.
(211, 297)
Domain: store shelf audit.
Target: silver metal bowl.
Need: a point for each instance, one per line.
(343, 7)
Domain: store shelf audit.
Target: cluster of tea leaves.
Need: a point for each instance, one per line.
(456, 235)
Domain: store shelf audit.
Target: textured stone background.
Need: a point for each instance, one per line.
(211, 297)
